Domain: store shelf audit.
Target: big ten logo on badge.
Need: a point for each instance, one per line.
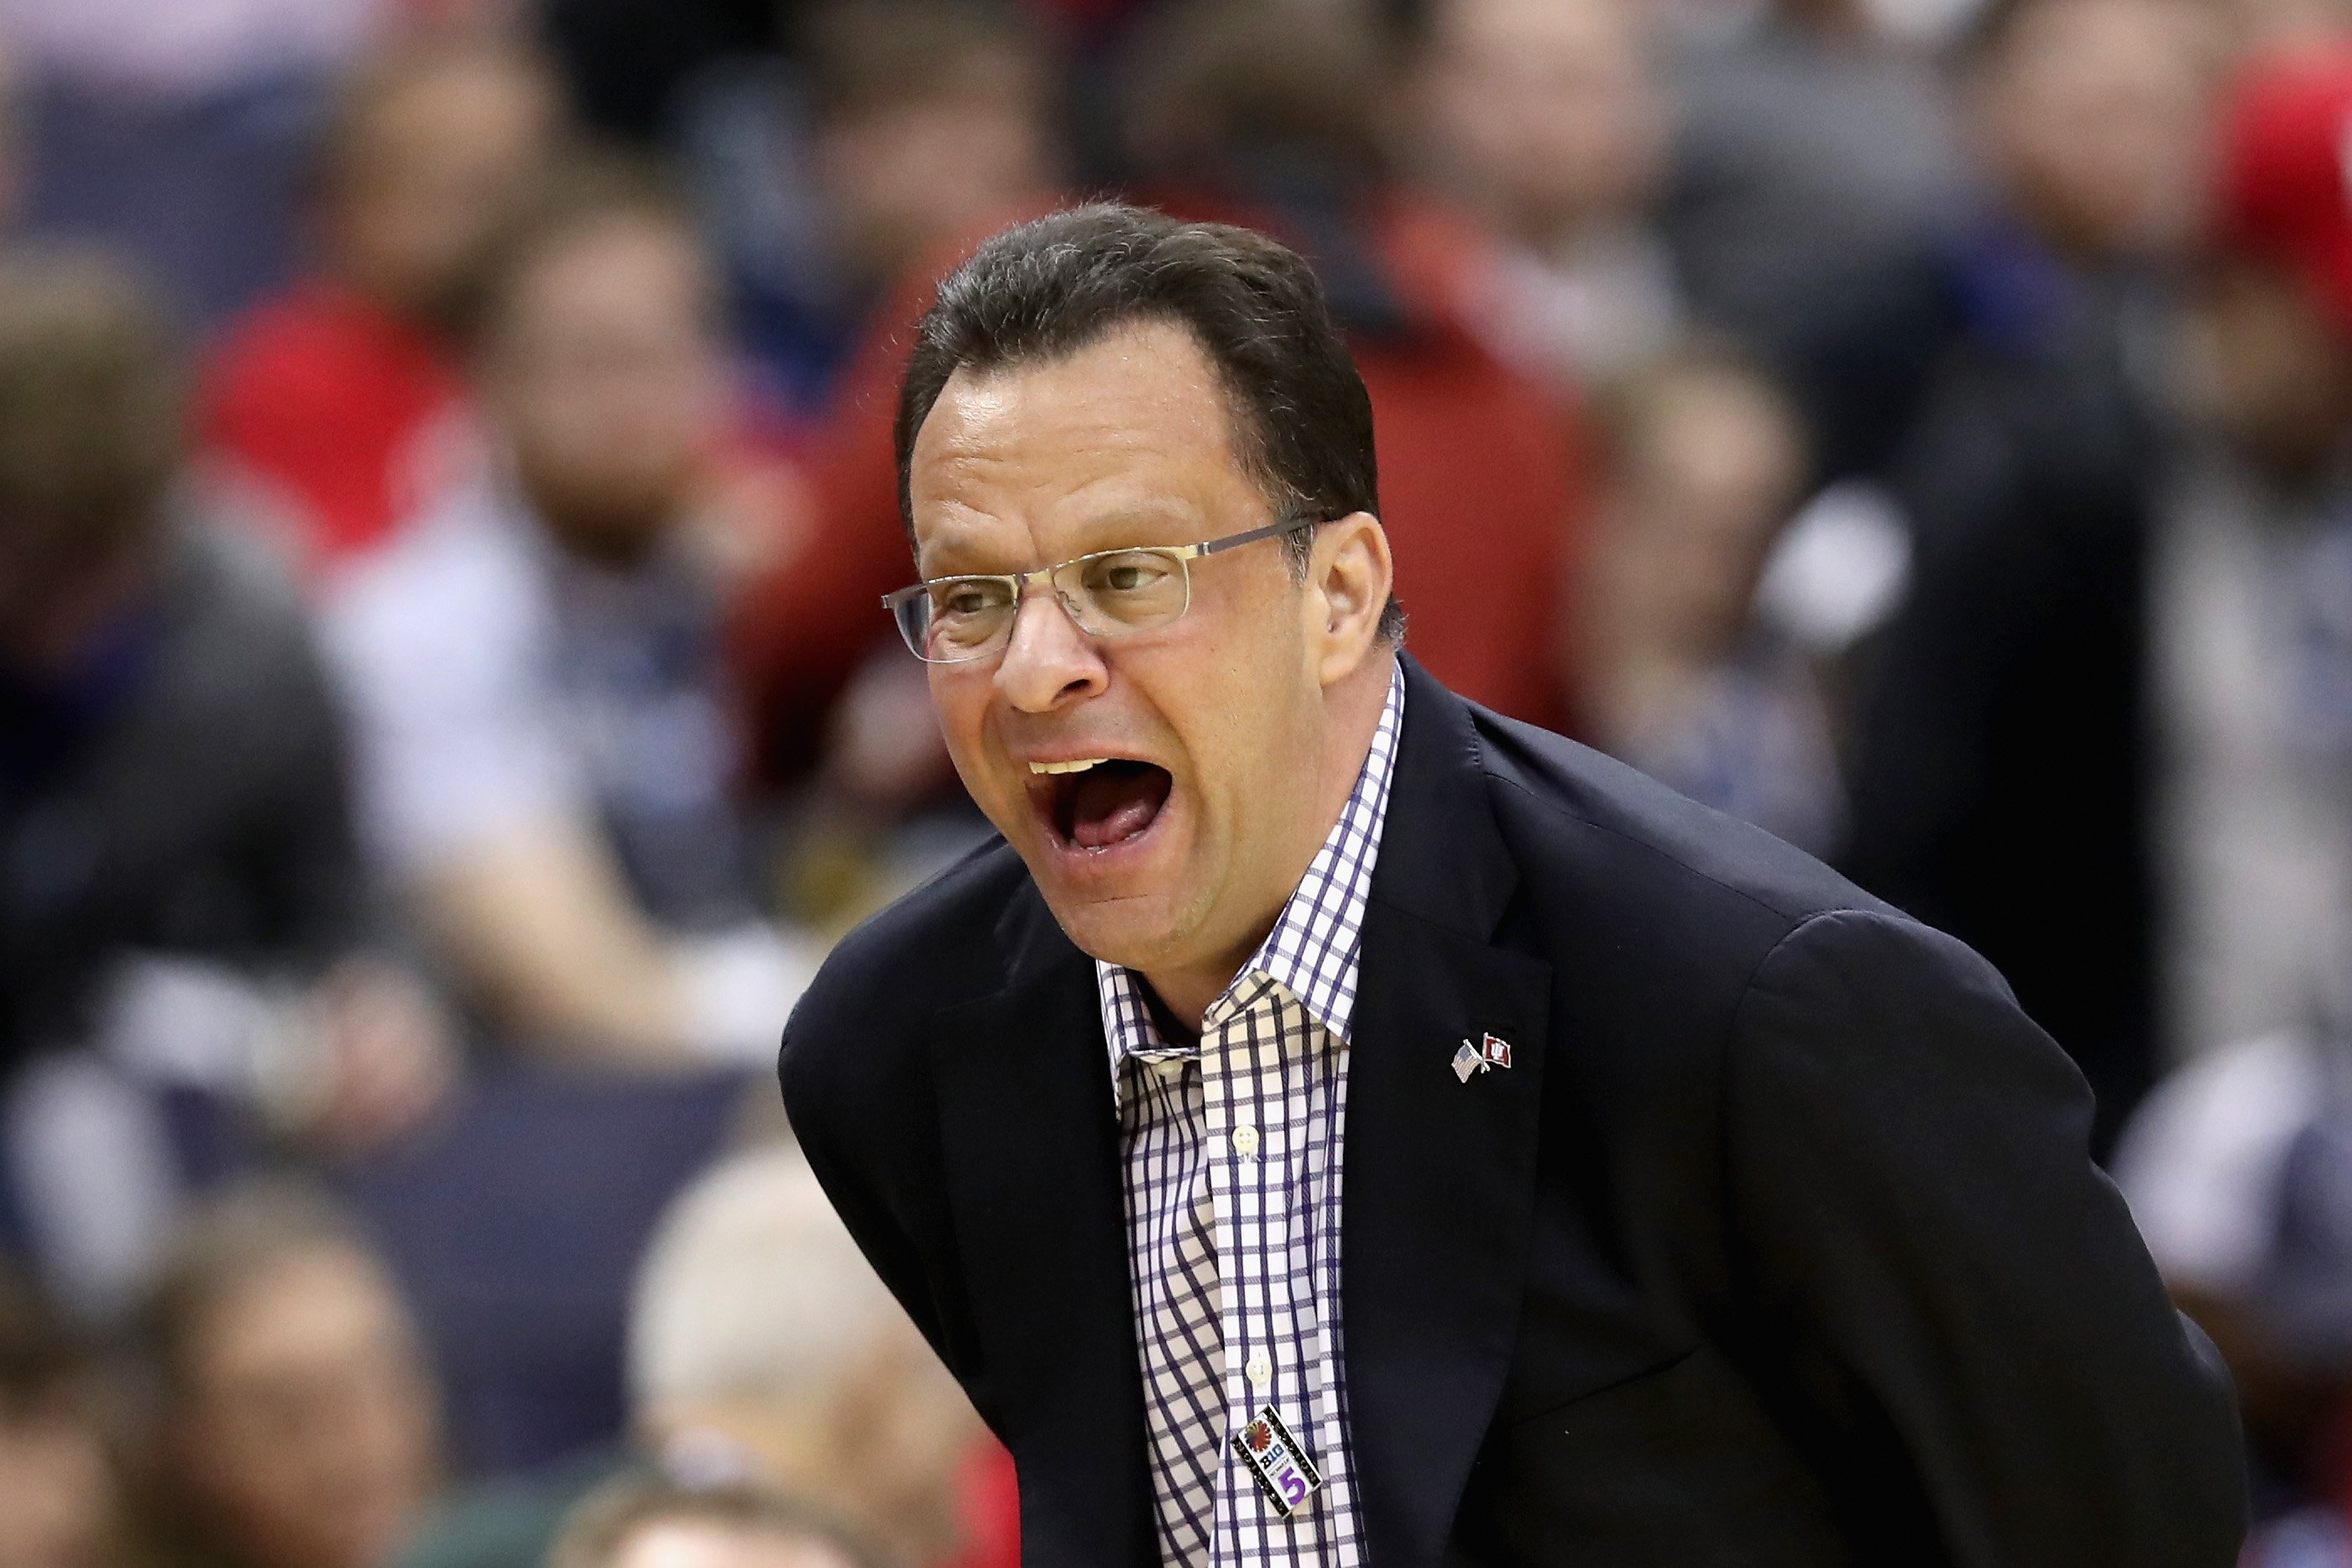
(1284, 1472)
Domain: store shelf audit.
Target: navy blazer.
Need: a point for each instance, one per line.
(1776, 1244)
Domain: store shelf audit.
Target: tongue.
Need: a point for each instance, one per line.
(1114, 802)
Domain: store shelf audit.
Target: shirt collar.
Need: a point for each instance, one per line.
(1314, 948)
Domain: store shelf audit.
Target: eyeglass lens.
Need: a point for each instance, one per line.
(1116, 592)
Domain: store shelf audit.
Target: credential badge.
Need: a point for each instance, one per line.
(1284, 1472)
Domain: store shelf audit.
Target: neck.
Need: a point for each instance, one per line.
(1353, 706)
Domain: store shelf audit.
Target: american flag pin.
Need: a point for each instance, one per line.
(1492, 1051)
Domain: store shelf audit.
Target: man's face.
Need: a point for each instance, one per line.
(925, 170)
(604, 381)
(2094, 114)
(1550, 106)
(1178, 853)
(434, 168)
(309, 1425)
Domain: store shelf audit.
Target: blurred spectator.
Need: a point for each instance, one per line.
(293, 1419)
(58, 1506)
(1817, 163)
(1272, 115)
(178, 881)
(652, 1525)
(338, 401)
(763, 1350)
(547, 754)
(1705, 461)
(2000, 728)
(1548, 118)
(898, 127)
(932, 123)
(2253, 582)
(931, 129)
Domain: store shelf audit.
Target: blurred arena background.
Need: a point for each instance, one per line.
(445, 487)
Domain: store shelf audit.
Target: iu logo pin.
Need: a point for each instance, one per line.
(1284, 1472)
(1491, 1052)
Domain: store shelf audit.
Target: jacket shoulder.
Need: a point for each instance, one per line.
(942, 944)
(1570, 811)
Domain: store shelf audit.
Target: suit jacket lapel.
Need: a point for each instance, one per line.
(1440, 1173)
(1030, 1142)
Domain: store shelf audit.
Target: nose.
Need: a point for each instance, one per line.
(1049, 663)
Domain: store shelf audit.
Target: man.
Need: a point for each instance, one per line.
(294, 1419)
(1698, 1207)
(546, 753)
(338, 399)
(180, 890)
(2252, 558)
(1550, 120)
(1984, 766)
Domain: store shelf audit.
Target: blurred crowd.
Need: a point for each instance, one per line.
(446, 485)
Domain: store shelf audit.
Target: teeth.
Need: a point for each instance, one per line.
(1078, 767)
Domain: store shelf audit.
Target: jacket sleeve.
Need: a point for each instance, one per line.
(857, 1106)
(1917, 1215)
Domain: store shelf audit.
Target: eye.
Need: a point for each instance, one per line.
(1138, 572)
(967, 596)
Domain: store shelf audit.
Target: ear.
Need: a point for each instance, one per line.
(1348, 585)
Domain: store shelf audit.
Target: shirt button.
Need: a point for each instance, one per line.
(1259, 1369)
(1245, 1142)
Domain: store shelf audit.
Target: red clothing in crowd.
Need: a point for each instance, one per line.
(1478, 492)
(991, 1512)
(1480, 489)
(346, 417)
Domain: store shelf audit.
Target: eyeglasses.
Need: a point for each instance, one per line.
(951, 620)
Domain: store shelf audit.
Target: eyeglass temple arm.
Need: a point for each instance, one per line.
(1235, 541)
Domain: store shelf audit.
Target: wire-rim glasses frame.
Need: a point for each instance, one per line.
(1105, 593)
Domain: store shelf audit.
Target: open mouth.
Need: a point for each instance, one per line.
(1101, 803)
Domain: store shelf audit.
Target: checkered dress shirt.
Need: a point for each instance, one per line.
(1231, 1149)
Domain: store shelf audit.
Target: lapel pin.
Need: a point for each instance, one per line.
(1489, 1053)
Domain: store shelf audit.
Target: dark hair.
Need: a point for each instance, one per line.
(605, 1522)
(1302, 422)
